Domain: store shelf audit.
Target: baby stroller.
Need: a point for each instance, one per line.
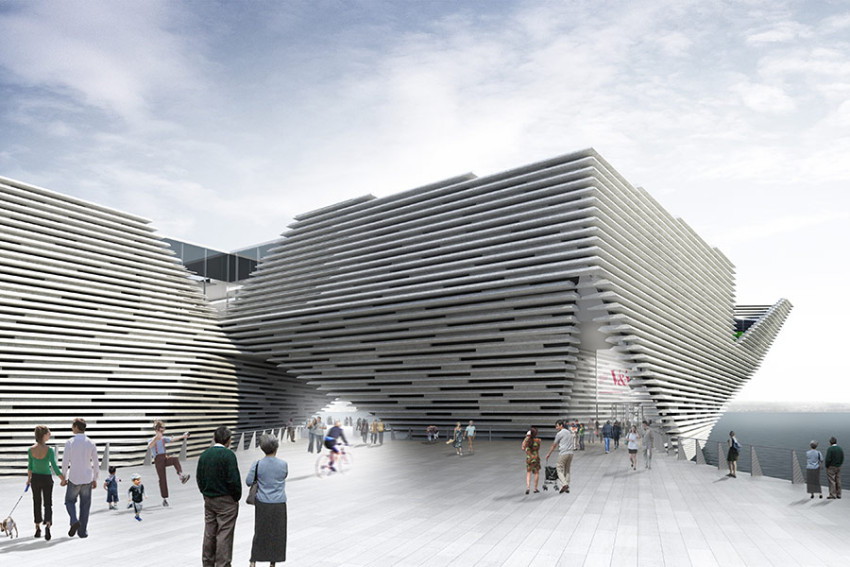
(550, 478)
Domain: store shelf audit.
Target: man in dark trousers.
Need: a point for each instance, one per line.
(833, 461)
(219, 481)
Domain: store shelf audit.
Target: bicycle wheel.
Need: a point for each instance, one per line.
(323, 469)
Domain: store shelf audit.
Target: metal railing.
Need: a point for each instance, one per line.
(757, 460)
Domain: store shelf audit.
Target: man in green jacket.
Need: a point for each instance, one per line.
(219, 481)
(833, 461)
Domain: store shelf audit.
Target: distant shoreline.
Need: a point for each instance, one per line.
(789, 407)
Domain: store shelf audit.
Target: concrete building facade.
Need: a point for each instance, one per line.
(552, 290)
(99, 320)
(548, 291)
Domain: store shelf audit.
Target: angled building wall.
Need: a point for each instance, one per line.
(99, 320)
(508, 300)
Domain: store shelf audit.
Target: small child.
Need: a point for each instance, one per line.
(111, 487)
(136, 495)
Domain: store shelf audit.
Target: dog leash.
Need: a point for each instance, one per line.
(19, 500)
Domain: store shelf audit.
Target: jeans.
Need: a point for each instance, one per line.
(649, 457)
(607, 444)
(72, 491)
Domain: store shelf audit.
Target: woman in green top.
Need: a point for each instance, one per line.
(41, 459)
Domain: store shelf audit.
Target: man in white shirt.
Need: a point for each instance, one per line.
(80, 456)
(565, 441)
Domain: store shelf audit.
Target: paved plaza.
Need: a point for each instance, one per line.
(408, 503)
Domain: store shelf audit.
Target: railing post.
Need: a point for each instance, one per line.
(755, 466)
(241, 444)
(253, 440)
(700, 456)
(680, 448)
(147, 461)
(104, 462)
(796, 472)
(183, 446)
(721, 457)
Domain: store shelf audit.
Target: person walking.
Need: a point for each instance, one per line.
(311, 436)
(320, 434)
(364, 430)
(531, 446)
(632, 444)
(373, 429)
(833, 461)
(161, 459)
(814, 459)
(380, 428)
(221, 485)
(616, 432)
(607, 432)
(290, 430)
(80, 458)
(648, 444)
(41, 459)
(732, 454)
(565, 442)
(457, 439)
(270, 473)
(470, 435)
(136, 495)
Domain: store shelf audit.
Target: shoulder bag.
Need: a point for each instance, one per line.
(252, 492)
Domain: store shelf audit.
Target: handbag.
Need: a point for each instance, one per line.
(252, 492)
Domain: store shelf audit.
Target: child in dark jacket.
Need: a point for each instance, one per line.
(136, 495)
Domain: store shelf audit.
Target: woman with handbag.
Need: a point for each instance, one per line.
(268, 475)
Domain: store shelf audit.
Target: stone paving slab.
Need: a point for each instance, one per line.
(408, 503)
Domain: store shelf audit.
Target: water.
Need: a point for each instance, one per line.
(776, 434)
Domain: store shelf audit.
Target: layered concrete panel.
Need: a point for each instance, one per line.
(496, 298)
(99, 320)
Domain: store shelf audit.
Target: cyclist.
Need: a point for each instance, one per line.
(332, 438)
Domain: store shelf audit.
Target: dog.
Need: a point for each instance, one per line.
(8, 525)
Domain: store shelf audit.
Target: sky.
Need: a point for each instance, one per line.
(221, 121)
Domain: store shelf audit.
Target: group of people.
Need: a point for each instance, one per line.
(220, 484)
(568, 441)
(79, 472)
(375, 430)
(815, 462)
(317, 429)
(459, 434)
(78, 475)
(218, 479)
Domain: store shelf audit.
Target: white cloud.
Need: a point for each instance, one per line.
(117, 57)
(763, 98)
(779, 32)
(772, 227)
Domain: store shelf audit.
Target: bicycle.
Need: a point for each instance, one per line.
(342, 463)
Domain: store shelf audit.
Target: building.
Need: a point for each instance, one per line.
(98, 319)
(552, 290)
